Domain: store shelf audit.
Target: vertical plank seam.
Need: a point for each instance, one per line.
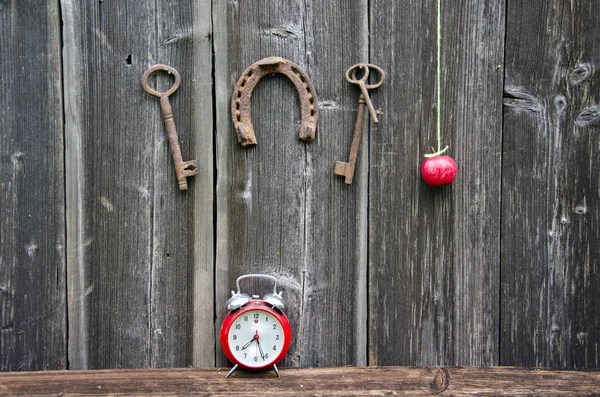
(368, 231)
(305, 248)
(500, 317)
(150, 359)
(215, 176)
(64, 159)
(218, 8)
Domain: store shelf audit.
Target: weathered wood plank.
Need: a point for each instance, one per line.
(202, 242)
(32, 200)
(434, 252)
(140, 288)
(111, 129)
(182, 266)
(348, 381)
(551, 200)
(280, 208)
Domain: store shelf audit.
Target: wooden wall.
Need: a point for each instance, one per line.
(550, 306)
(104, 263)
(33, 243)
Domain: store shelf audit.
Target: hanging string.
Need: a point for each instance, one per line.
(438, 84)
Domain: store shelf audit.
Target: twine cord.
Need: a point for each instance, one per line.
(438, 84)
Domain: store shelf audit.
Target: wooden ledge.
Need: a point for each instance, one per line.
(338, 381)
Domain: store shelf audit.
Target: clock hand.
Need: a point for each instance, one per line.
(248, 344)
(254, 338)
(259, 346)
(261, 350)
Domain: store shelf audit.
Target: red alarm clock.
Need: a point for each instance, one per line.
(255, 334)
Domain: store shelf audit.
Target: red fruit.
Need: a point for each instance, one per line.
(438, 171)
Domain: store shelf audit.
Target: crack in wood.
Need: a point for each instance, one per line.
(518, 97)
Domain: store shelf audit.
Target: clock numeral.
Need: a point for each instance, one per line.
(274, 326)
(234, 337)
(255, 358)
(276, 337)
(245, 318)
(275, 347)
(267, 319)
(245, 355)
(238, 326)
(266, 355)
(237, 348)
(256, 315)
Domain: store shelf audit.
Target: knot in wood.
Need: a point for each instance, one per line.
(440, 382)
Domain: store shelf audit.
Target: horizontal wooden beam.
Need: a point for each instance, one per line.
(338, 381)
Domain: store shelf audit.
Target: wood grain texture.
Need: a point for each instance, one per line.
(201, 213)
(434, 252)
(550, 309)
(133, 263)
(347, 382)
(280, 208)
(32, 200)
(104, 263)
(182, 265)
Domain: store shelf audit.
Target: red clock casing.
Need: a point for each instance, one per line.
(252, 305)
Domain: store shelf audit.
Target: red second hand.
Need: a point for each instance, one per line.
(256, 339)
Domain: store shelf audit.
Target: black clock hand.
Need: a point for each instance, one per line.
(261, 350)
(259, 346)
(248, 344)
(254, 338)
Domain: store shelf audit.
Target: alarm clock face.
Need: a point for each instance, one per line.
(256, 336)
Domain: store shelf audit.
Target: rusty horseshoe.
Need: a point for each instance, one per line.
(241, 98)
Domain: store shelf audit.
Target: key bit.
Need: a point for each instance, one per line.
(346, 169)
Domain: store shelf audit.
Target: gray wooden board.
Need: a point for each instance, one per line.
(499, 267)
(201, 210)
(280, 208)
(182, 265)
(32, 217)
(133, 262)
(434, 252)
(550, 312)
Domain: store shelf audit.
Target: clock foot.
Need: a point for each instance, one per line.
(232, 371)
(276, 370)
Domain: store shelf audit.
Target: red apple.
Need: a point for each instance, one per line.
(438, 171)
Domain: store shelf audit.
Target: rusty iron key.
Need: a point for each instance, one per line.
(183, 168)
(343, 168)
